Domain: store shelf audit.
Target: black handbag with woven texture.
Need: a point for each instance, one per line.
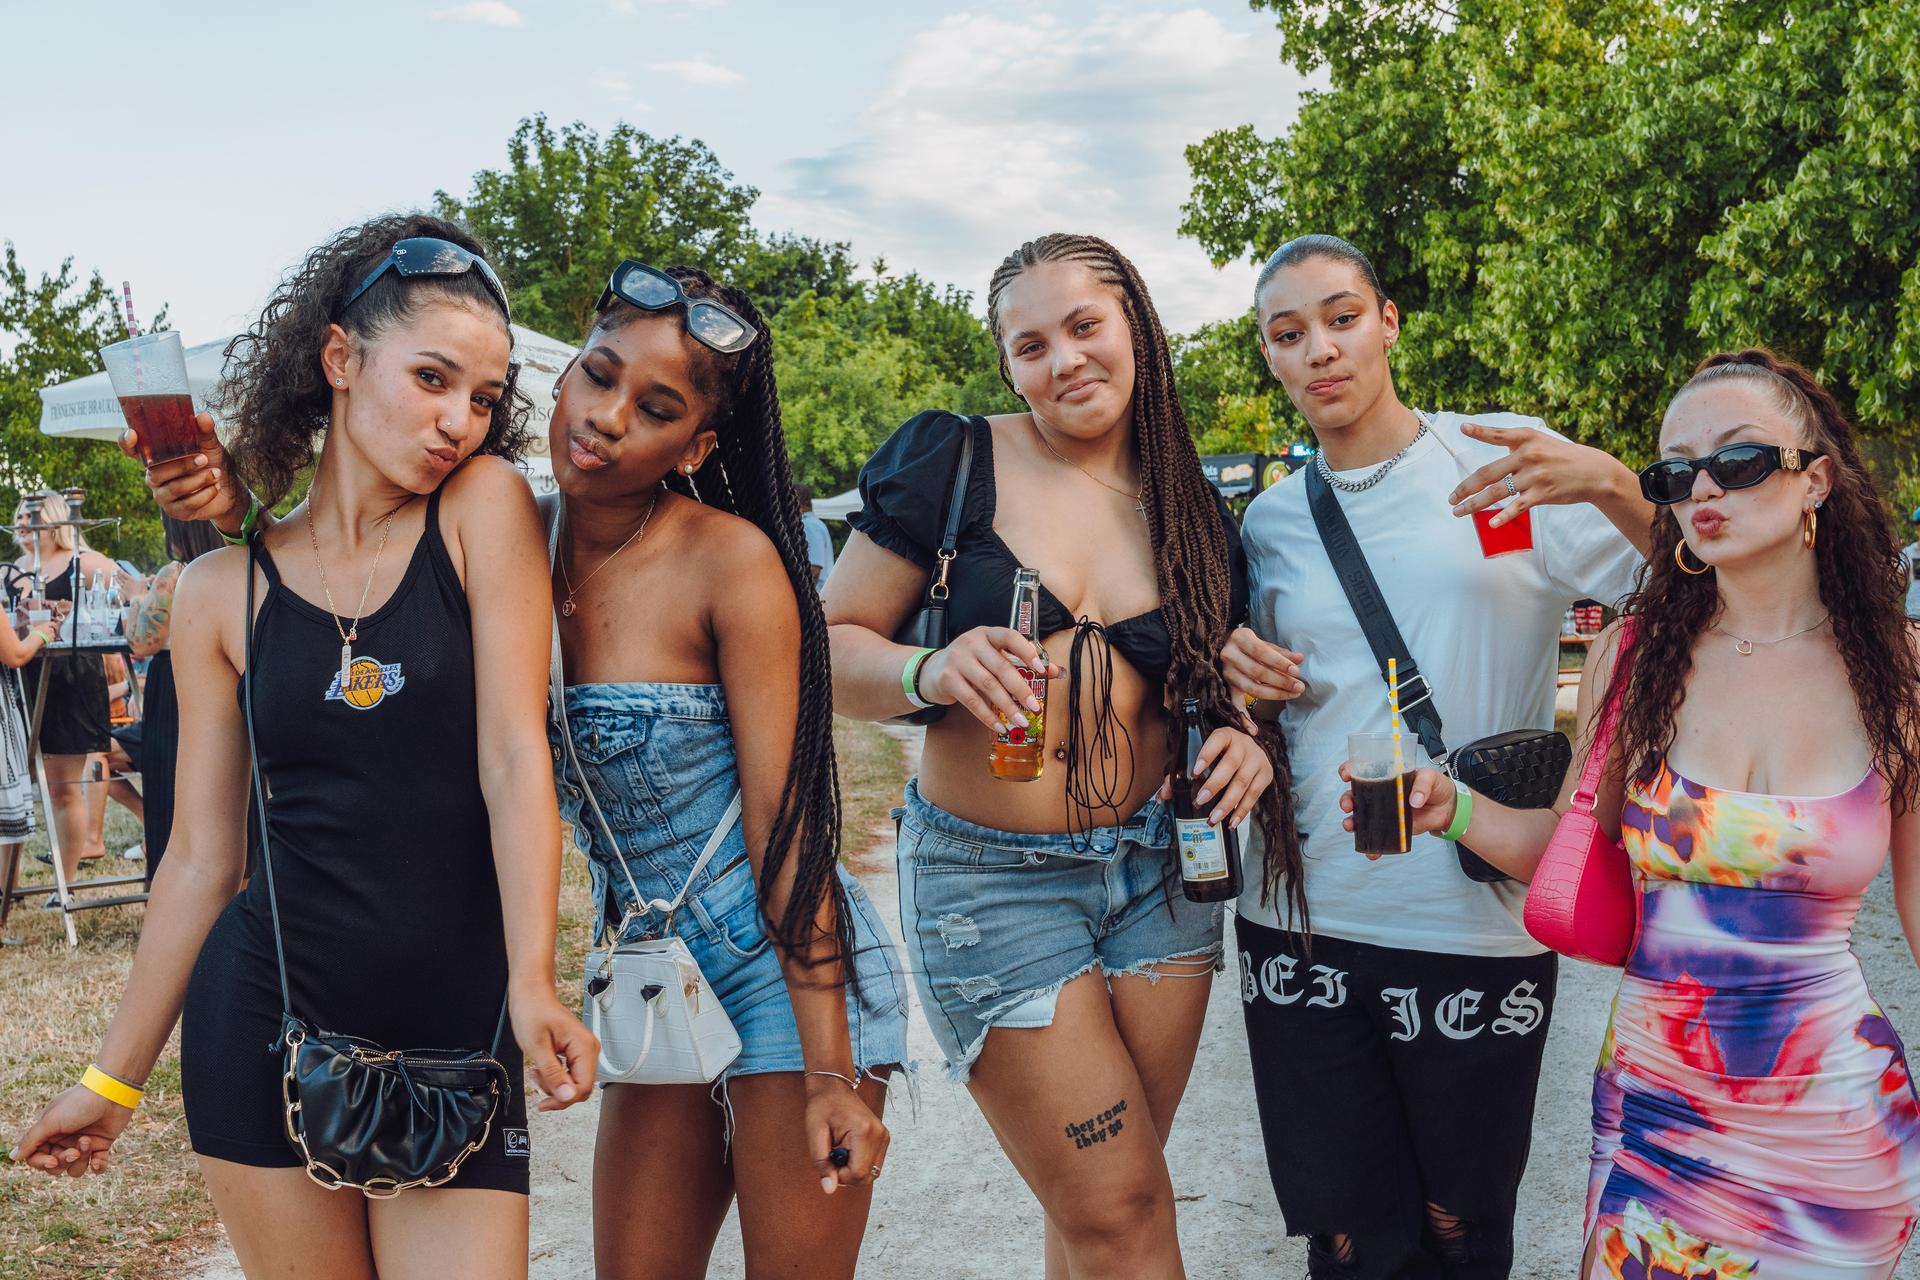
(378, 1121)
(1522, 768)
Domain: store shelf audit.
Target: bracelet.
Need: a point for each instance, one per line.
(46, 637)
(112, 1088)
(851, 1083)
(246, 526)
(910, 678)
(1462, 813)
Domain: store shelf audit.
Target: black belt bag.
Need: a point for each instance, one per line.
(1522, 769)
(378, 1121)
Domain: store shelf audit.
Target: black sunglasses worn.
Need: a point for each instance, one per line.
(652, 289)
(1734, 466)
(419, 256)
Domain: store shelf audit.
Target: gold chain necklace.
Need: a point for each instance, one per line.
(347, 634)
(1745, 647)
(567, 606)
(1138, 504)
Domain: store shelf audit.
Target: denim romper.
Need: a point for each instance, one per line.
(660, 760)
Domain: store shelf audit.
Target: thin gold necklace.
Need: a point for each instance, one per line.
(567, 606)
(351, 633)
(1745, 647)
(1137, 495)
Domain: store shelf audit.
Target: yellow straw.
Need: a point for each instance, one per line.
(1399, 766)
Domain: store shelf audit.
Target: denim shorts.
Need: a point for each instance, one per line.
(997, 922)
(660, 760)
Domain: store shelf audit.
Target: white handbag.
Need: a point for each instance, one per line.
(657, 1018)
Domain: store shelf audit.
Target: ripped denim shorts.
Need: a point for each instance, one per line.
(997, 922)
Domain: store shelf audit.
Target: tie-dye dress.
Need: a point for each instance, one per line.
(1753, 1116)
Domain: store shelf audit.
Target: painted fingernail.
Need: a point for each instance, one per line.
(14, 1154)
(564, 1093)
(1033, 704)
(826, 1185)
(215, 473)
(1213, 819)
(199, 459)
(1202, 796)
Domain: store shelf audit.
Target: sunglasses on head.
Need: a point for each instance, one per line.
(652, 289)
(419, 256)
(1735, 466)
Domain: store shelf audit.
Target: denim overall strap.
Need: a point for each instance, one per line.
(557, 682)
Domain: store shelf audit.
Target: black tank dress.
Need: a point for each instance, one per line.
(389, 904)
(78, 714)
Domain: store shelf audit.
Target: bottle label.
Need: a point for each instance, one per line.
(1203, 854)
(1030, 727)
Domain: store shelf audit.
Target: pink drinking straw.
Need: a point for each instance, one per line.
(133, 331)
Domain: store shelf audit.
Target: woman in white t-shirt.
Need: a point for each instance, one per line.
(1395, 1055)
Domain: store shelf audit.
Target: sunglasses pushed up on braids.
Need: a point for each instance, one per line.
(1735, 466)
(651, 289)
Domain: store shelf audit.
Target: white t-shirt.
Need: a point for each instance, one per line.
(1485, 633)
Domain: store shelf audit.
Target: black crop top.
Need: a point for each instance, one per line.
(903, 499)
(904, 489)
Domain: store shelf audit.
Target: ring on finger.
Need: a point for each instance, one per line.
(1513, 490)
(874, 1173)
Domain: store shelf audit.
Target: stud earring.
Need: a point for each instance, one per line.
(339, 382)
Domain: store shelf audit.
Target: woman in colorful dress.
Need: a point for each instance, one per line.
(1754, 1116)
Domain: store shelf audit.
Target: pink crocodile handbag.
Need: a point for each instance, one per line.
(1581, 900)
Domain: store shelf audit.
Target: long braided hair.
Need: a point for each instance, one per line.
(1862, 579)
(1191, 557)
(748, 475)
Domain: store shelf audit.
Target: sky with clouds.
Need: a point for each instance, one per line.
(198, 149)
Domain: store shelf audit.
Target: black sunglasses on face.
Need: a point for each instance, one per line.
(419, 256)
(652, 289)
(1736, 466)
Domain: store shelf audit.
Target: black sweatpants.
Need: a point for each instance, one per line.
(1396, 1095)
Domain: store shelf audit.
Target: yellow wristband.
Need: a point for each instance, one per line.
(111, 1089)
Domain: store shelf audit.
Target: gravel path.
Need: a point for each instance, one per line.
(952, 1206)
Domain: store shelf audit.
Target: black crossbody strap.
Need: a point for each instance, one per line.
(956, 511)
(1376, 620)
(260, 796)
(260, 811)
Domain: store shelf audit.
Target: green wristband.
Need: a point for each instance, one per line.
(1462, 813)
(246, 526)
(910, 678)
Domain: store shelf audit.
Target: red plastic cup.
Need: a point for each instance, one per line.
(149, 375)
(1515, 535)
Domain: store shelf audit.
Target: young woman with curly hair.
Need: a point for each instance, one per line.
(400, 729)
(696, 667)
(1044, 919)
(1753, 1109)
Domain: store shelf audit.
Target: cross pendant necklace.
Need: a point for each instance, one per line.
(1139, 495)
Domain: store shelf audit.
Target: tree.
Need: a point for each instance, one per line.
(1577, 199)
(1232, 402)
(569, 205)
(55, 326)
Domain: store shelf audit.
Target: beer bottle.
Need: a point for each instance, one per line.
(1019, 751)
(1209, 856)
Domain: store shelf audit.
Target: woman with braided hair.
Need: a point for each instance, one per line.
(1042, 918)
(697, 667)
(1753, 1111)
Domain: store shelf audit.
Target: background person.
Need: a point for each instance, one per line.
(819, 539)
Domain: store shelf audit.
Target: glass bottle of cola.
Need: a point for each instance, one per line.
(1019, 751)
(1209, 856)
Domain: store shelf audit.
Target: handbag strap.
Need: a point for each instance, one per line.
(1376, 620)
(1587, 795)
(260, 813)
(956, 511)
(557, 697)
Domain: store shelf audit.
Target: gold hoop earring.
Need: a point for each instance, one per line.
(1680, 558)
(1810, 526)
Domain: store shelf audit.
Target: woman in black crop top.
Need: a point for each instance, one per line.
(1041, 917)
(415, 836)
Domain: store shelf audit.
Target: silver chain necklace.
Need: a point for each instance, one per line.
(1379, 473)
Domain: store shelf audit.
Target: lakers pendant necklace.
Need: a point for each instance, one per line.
(567, 605)
(348, 634)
